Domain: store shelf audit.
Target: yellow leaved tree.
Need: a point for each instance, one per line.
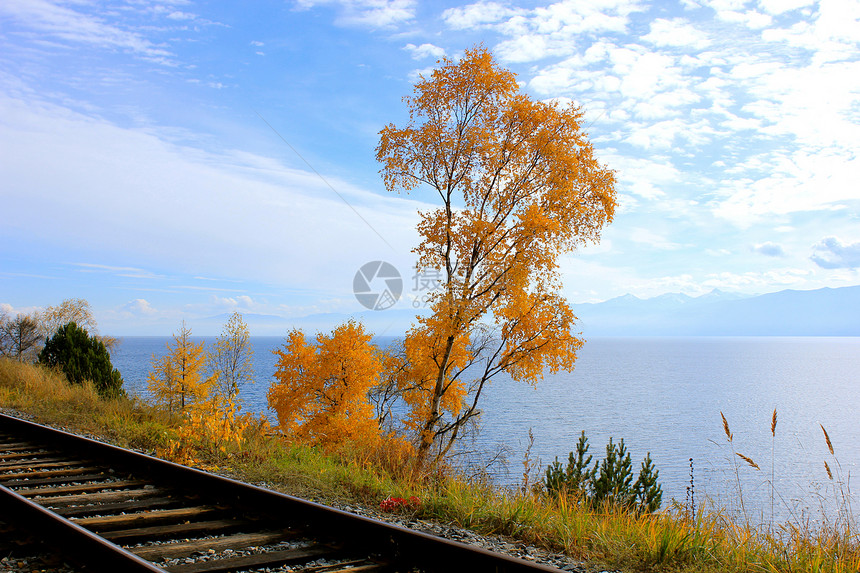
(209, 427)
(320, 393)
(77, 310)
(176, 379)
(519, 187)
(231, 360)
(210, 422)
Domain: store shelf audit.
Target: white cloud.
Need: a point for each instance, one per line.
(416, 75)
(817, 104)
(232, 215)
(832, 253)
(769, 249)
(645, 189)
(12, 311)
(628, 79)
(749, 18)
(367, 13)
(552, 30)
(424, 51)
(676, 33)
(649, 238)
(838, 20)
(644, 74)
(645, 178)
(139, 306)
(777, 7)
(803, 181)
(128, 272)
(530, 47)
(721, 5)
(233, 303)
(178, 15)
(663, 135)
(718, 252)
(68, 25)
(477, 15)
(758, 281)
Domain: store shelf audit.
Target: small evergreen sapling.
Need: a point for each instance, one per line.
(576, 476)
(648, 493)
(608, 481)
(615, 476)
(554, 479)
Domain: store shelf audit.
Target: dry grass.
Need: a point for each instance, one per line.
(664, 541)
(45, 394)
(672, 540)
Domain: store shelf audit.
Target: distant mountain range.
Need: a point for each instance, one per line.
(821, 312)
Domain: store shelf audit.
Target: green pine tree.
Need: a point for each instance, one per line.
(553, 480)
(648, 493)
(608, 481)
(614, 476)
(82, 357)
(577, 475)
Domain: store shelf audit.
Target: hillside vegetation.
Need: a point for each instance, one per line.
(674, 539)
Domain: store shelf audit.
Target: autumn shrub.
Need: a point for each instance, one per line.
(321, 389)
(82, 357)
(209, 424)
(208, 430)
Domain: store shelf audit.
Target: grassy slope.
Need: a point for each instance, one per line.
(663, 542)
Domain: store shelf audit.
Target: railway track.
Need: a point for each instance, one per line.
(111, 509)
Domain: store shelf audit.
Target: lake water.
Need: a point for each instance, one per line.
(664, 396)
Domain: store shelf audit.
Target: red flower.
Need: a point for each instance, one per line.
(393, 504)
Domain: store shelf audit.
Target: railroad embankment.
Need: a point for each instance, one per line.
(380, 484)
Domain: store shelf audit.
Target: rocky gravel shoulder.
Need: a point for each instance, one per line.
(496, 543)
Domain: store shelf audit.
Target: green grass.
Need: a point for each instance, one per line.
(607, 536)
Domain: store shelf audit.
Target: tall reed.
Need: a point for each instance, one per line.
(730, 439)
(772, 462)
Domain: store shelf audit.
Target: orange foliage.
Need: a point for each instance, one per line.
(175, 380)
(519, 187)
(210, 422)
(209, 427)
(321, 390)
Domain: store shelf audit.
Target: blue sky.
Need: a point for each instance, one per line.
(175, 159)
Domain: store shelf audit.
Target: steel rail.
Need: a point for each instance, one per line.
(74, 540)
(401, 547)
